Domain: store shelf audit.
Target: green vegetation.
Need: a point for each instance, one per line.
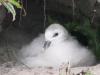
(9, 4)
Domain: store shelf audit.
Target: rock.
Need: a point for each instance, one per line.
(2, 16)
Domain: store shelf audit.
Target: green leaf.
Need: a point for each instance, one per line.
(10, 8)
(16, 3)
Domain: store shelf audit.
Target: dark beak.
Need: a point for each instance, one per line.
(46, 44)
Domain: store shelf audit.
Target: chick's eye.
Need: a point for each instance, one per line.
(56, 34)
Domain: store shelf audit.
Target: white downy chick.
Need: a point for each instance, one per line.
(59, 48)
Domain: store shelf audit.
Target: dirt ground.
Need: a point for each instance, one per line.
(11, 68)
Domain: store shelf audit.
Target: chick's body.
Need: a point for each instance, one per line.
(63, 49)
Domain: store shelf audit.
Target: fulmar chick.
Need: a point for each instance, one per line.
(55, 47)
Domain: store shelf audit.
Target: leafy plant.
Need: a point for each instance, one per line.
(9, 4)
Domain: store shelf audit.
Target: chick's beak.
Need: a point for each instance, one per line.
(46, 44)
